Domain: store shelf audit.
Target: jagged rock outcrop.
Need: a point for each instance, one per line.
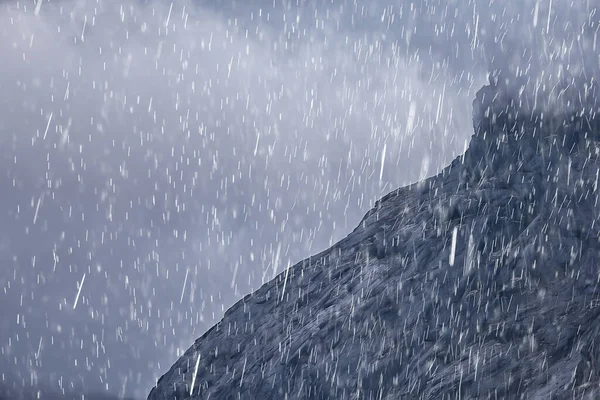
(480, 282)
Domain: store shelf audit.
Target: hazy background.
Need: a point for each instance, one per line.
(163, 159)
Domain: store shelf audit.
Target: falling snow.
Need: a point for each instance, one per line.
(178, 173)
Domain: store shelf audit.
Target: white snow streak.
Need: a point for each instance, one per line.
(256, 146)
(549, 16)
(49, 121)
(276, 261)
(243, 371)
(441, 100)
(187, 271)
(79, 292)
(382, 161)
(195, 373)
(235, 271)
(37, 209)
(37, 354)
(169, 16)
(412, 112)
(55, 259)
(38, 6)
(536, 13)
(287, 271)
(66, 97)
(453, 248)
(83, 29)
(476, 32)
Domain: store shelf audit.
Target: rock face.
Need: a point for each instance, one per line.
(480, 282)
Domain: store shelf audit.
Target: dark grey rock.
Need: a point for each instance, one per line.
(393, 311)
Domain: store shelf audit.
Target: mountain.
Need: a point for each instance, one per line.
(479, 282)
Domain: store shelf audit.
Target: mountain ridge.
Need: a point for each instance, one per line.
(463, 284)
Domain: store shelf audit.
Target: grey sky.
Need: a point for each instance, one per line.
(180, 155)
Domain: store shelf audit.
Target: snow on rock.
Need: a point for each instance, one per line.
(383, 314)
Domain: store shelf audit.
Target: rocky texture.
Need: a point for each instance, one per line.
(480, 282)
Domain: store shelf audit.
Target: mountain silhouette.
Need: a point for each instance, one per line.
(479, 282)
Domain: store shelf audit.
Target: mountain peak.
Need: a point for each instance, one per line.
(517, 121)
(479, 282)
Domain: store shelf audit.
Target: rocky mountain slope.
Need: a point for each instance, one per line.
(480, 282)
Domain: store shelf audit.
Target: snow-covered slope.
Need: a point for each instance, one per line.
(480, 282)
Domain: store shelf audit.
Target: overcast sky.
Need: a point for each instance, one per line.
(160, 160)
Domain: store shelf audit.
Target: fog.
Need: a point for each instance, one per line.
(160, 160)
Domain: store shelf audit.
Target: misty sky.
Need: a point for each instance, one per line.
(168, 158)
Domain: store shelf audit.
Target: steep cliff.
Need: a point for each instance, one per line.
(479, 282)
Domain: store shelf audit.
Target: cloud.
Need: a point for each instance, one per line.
(546, 53)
